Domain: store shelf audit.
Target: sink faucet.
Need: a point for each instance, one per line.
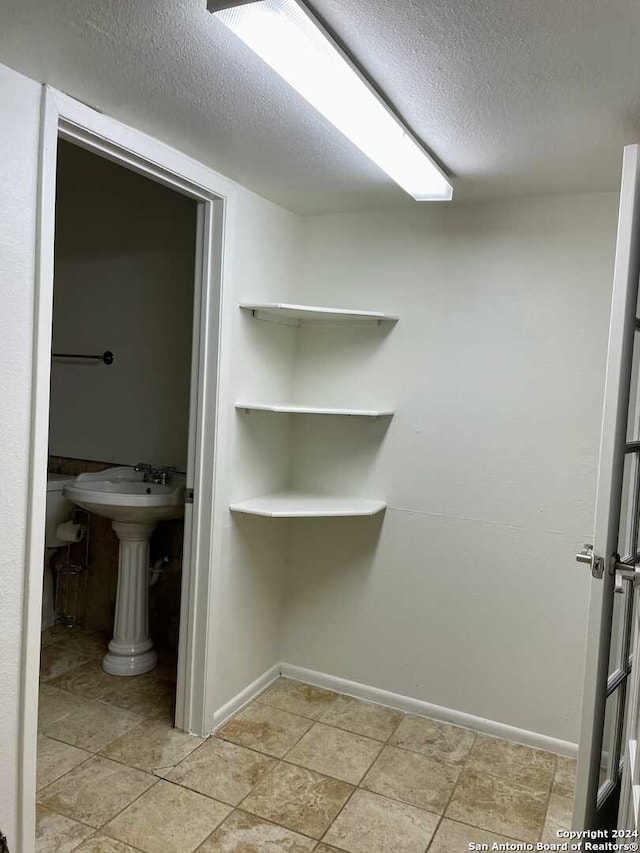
(154, 475)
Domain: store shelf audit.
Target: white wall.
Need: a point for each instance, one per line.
(468, 596)
(124, 279)
(19, 133)
(248, 591)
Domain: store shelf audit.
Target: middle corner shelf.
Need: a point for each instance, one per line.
(295, 504)
(294, 409)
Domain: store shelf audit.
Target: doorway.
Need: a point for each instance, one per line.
(123, 285)
(67, 121)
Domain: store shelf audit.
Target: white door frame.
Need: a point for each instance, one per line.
(65, 118)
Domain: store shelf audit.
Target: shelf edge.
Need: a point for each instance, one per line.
(244, 508)
(278, 312)
(311, 410)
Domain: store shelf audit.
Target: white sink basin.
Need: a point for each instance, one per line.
(122, 495)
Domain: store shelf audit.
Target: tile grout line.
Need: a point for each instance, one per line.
(282, 760)
(337, 815)
(473, 826)
(405, 714)
(359, 787)
(45, 733)
(102, 826)
(144, 718)
(177, 785)
(238, 810)
(94, 831)
(62, 775)
(489, 831)
(100, 754)
(546, 810)
(260, 701)
(453, 790)
(522, 788)
(238, 807)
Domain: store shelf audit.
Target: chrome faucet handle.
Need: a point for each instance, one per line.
(164, 474)
(154, 475)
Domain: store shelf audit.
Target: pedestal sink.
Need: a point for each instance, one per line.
(134, 507)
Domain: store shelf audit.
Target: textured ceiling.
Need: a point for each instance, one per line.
(515, 98)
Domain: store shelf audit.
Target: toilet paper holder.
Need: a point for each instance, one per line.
(71, 575)
(71, 532)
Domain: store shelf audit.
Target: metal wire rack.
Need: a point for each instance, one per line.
(71, 579)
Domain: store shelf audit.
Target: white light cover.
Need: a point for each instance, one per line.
(288, 39)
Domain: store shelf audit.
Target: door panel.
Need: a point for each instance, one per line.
(615, 526)
(608, 764)
(633, 422)
(620, 626)
(629, 813)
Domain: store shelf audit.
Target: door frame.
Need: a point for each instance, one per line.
(65, 118)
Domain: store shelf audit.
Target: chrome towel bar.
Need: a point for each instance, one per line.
(106, 357)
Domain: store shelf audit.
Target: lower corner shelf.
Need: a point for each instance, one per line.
(307, 505)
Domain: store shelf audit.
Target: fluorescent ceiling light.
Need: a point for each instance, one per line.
(289, 39)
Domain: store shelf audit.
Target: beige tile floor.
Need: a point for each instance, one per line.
(299, 769)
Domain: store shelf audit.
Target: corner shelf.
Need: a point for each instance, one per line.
(295, 504)
(307, 505)
(312, 315)
(291, 409)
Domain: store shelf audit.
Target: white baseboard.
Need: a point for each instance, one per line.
(245, 696)
(426, 709)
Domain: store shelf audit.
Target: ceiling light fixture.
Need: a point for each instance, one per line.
(290, 39)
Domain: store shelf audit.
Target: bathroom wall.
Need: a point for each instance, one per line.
(124, 280)
(468, 596)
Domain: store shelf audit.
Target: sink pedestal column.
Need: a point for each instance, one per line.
(131, 651)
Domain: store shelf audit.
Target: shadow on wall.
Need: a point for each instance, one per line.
(338, 455)
(258, 539)
(348, 543)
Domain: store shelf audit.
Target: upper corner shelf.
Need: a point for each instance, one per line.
(292, 409)
(312, 315)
